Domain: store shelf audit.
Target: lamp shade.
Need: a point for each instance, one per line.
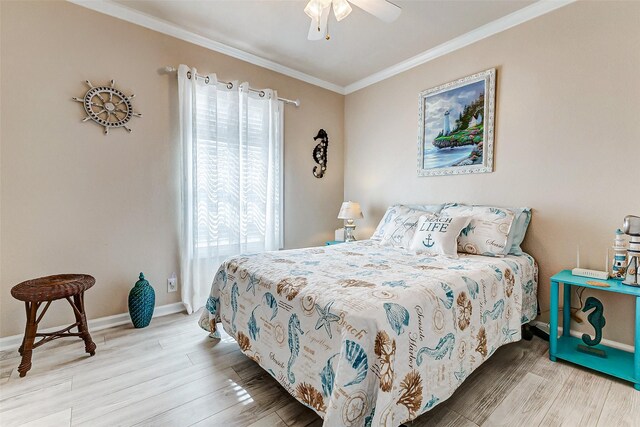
(350, 210)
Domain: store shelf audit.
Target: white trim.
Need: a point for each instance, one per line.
(614, 344)
(125, 13)
(518, 17)
(13, 342)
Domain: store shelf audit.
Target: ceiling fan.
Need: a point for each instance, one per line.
(319, 10)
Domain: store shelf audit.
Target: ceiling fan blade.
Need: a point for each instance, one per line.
(314, 33)
(381, 9)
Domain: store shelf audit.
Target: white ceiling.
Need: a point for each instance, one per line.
(360, 45)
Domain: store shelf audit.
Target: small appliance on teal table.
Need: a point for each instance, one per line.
(612, 361)
(142, 301)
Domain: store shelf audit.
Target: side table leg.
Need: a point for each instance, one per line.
(553, 322)
(636, 355)
(81, 318)
(29, 337)
(566, 310)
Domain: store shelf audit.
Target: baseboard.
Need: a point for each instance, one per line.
(13, 342)
(614, 344)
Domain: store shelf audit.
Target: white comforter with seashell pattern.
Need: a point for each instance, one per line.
(367, 334)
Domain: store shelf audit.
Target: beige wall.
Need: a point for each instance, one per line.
(567, 140)
(74, 200)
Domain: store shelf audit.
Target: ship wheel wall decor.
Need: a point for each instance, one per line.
(107, 106)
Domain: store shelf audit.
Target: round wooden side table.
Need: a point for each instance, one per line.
(47, 289)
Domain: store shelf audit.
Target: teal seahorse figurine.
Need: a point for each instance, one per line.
(294, 344)
(596, 318)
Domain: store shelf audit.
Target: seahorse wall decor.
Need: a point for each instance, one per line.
(320, 153)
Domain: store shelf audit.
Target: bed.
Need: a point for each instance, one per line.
(371, 335)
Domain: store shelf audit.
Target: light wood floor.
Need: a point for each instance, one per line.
(172, 374)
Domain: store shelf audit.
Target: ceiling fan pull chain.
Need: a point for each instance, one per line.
(327, 36)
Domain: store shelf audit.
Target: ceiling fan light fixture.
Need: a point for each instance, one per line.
(341, 9)
(314, 8)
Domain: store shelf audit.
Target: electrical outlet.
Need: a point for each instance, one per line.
(172, 283)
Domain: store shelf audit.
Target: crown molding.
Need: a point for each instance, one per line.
(518, 17)
(125, 13)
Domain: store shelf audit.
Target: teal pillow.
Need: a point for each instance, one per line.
(518, 229)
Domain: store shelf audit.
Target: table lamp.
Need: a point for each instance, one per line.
(349, 211)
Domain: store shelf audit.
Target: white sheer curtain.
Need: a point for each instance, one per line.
(232, 144)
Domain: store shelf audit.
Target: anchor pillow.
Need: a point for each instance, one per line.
(488, 231)
(438, 235)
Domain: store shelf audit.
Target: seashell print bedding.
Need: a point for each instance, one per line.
(371, 335)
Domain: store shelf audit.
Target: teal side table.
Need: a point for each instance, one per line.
(618, 363)
(333, 242)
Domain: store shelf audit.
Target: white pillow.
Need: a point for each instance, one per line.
(522, 217)
(399, 225)
(488, 231)
(438, 234)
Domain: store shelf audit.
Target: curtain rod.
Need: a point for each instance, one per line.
(170, 69)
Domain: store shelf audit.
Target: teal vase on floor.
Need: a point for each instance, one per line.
(142, 301)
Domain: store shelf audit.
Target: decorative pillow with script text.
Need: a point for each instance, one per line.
(398, 225)
(487, 232)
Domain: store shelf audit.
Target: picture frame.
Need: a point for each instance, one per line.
(456, 126)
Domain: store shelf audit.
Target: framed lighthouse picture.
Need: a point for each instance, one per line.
(455, 126)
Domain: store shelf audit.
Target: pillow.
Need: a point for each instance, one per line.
(435, 209)
(487, 232)
(438, 234)
(518, 229)
(386, 219)
(398, 232)
(398, 224)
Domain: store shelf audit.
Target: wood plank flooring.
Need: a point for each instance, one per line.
(172, 374)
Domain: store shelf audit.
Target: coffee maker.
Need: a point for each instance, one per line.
(631, 227)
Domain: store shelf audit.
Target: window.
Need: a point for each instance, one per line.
(233, 161)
